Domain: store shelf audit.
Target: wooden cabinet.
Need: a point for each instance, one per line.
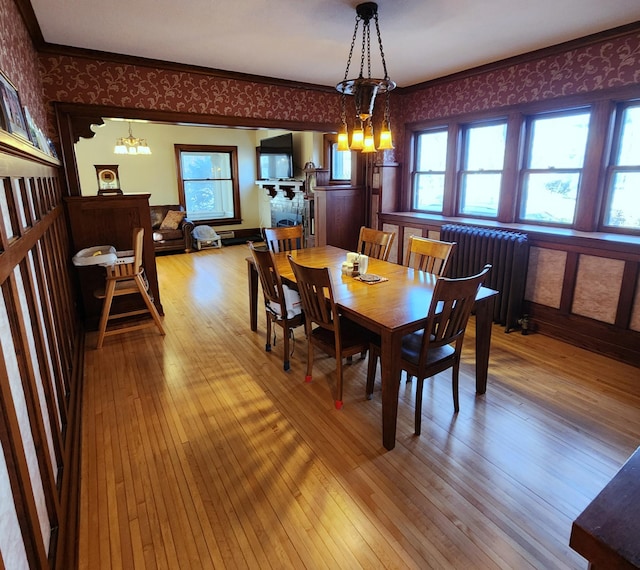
(339, 214)
(109, 220)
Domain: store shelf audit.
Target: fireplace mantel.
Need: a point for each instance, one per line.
(287, 187)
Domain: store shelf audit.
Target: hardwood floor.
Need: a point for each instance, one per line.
(199, 451)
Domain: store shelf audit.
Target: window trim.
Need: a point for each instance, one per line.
(592, 191)
(235, 182)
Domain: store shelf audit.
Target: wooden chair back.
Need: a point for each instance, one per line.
(275, 300)
(269, 277)
(316, 294)
(429, 255)
(129, 270)
(335, 335)
(375, 243)
(437, 347)
(449, 312)
(288, 238)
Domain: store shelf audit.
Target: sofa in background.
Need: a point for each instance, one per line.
(171, 232)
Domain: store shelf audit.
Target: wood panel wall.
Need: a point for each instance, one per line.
(41, 348)
(581, 288)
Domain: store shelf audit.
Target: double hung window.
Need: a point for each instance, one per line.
(208, 182)
(430, 160)
(482, 166)
(556, 146)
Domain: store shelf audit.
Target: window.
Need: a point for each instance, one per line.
(623, 180)
(208, 182)
(551, 178)
(570, 165)
(482, 165)
(340, 163)
(430, 159)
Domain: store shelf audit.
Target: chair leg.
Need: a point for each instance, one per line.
(372, 366)
(309, 361)
(285, 346)
(418, 420)
(267, 346)
(152, 308)
(454, 385)
(106, 309)
(339, 402)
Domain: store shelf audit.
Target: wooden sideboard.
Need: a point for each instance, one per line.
(607, 533)
(109, 220)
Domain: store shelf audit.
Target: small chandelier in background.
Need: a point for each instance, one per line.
(131, 145)
(365, 90)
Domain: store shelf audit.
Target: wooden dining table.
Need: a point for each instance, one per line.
(391, 308)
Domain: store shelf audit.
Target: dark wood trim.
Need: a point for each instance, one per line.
(569, 282)
(620, 246)
(31, 22)
(67, 554)
(623, 345)
(592, 186)
(627, 293)
(605, 35)
(75, 120)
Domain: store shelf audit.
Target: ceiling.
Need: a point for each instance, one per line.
(308, 40)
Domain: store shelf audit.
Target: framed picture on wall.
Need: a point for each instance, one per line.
(12, 109)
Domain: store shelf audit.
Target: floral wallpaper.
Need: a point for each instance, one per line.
(608, 64)
(79, 80)
(19, 62)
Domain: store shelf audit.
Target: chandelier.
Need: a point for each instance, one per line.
(131, 145)
(365, 89)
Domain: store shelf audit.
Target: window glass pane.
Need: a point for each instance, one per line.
(340, 163)
(428, 192)
(207, 200)
(625, 201)
(201, 165)
(629, 154)
(485, 147)
(550, 196)
(432, 151)
(559, 142)
(274, 166)
(480, 194)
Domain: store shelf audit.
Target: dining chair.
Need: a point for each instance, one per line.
(282, 304)
(375, 243)
(127, 279)
(333, 333)
(429, 255)
(437, 347)
(287, 238)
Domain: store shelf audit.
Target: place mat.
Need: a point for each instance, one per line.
(370, 281)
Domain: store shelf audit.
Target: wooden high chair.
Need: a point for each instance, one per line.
(127, 279)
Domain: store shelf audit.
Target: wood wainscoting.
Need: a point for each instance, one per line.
(581, 288)
(41, 368)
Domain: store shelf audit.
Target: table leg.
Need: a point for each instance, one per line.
(252, 276)
(390, 374)
(484, 317)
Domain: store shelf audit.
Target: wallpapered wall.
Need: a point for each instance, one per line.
(608, 64)
(80, 80)
(19, 62)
